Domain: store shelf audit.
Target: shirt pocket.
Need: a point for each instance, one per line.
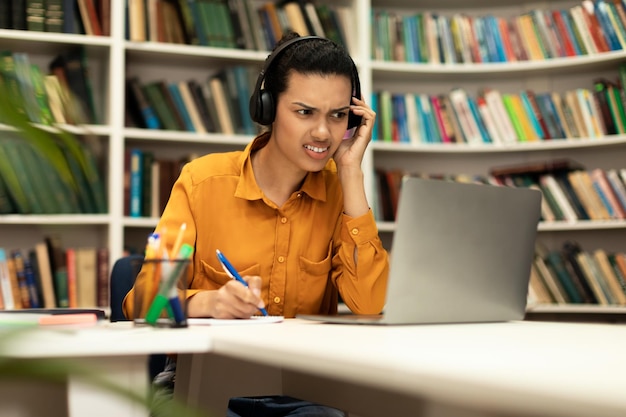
(212, 279)
(313, 279)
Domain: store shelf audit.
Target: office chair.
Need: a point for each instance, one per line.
(121, 281)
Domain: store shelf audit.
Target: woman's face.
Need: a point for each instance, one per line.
(311, 119)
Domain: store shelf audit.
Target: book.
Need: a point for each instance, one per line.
(202, 105)
(5, 282)
(552, 283)
(613, 284)
(219, 95)
(571, 250)
(139, 107)
(58, 267)
(156, 97)
(70, 261)
(44, 268)
(191, 106)
(555, 262)
(598, 285)
(136, 182)
(86, 273)
(102, 277)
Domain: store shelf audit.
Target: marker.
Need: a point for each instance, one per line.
(232, 272)
(163, 298)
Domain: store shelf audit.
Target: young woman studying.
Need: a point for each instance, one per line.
(290, 211)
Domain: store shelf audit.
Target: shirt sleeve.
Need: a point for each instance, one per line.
(361, 264)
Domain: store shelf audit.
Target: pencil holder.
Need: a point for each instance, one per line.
(160, 296)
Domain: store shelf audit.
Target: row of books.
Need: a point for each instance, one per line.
(51, 276)
(60, 94)
(217, 105)
(501, 118)
(570, 192)
(91, 17)
(241, 24)
(573, 275)
(148, 181)
(588, 28)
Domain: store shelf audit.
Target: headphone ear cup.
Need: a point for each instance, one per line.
(354, 120)
(268, 111)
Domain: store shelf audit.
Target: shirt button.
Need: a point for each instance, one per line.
(276, 300)
(355, 231)
(299, 195)
(283, 220)
(281, 259)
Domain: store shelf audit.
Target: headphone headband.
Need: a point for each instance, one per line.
(262, 107)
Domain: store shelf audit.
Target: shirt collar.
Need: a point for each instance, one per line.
(314, 184)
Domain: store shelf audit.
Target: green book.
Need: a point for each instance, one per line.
(386, 116)
(507, 99)
(556, 263)
(158, 101)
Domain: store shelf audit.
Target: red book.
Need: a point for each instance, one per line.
(562, 30)
(503, 26)
(89, 16)
(595, 29)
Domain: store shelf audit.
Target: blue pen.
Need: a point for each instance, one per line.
(232, 272)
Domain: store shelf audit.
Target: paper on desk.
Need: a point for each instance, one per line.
(234, 322)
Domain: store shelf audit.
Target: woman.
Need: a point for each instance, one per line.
(290, 211)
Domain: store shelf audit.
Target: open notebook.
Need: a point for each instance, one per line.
(461, 253)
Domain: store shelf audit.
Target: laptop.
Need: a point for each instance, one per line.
(460, 253)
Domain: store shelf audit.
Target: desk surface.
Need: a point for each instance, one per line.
(522, 367)
(104, 339)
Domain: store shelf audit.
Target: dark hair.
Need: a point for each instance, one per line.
(314, 56)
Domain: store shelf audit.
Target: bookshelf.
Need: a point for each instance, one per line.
(113, 59)
(551, 75)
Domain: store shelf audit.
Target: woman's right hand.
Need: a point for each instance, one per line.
(232, 301)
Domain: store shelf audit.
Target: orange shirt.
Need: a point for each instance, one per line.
(304, 251)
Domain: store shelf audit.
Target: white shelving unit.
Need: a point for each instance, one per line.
(113, 59)
(549, 75)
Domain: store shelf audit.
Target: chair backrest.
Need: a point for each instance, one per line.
(122, 279)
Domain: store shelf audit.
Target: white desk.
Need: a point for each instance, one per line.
(512, 369)
(118, 352)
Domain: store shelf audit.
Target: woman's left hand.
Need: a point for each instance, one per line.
(350, 152)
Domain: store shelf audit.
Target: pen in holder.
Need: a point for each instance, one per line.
(162, 302)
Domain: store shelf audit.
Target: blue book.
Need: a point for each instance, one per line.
(198, 23)
(410, 39)
(399, 115)
(242, 86)
(136, 181)
(180, 106)
(552, 115)
(567, 21)
(479, 27)
(471, 102)
(531, 115)
(497, 38)
(374, 107)
(139, 104)
(618, 22)
(602, 12)
(423, 108)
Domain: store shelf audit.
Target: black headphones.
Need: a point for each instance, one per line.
(262, 106)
